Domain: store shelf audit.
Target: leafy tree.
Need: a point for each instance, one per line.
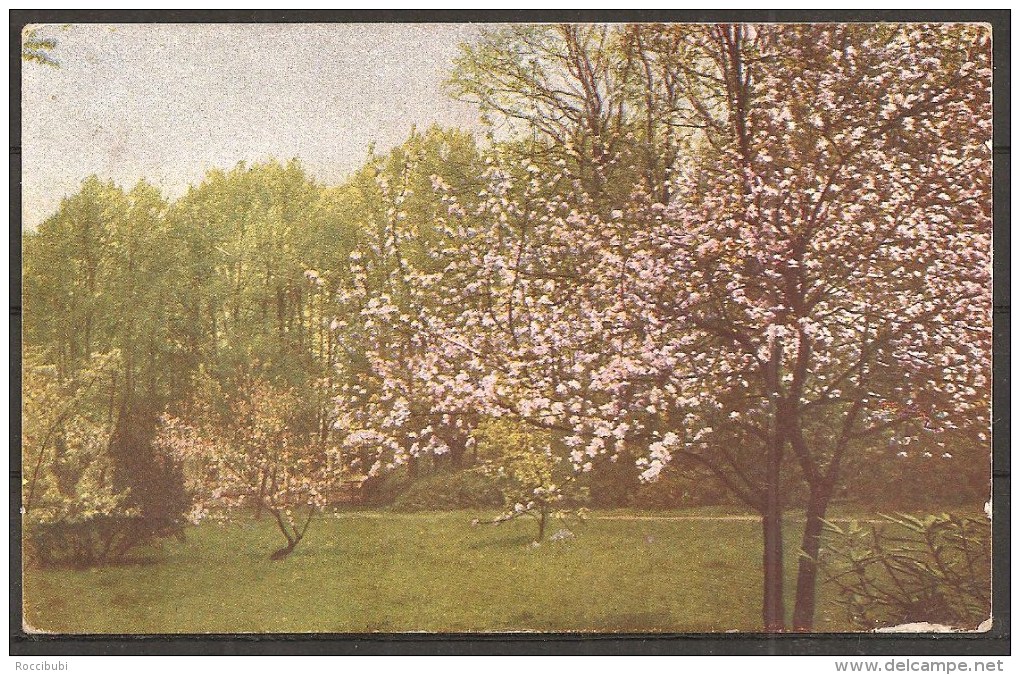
(96, 282)
(247, 296)
(535, 480)
(590, 103)
(64, 267)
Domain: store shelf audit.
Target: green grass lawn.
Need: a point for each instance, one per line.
(379, 571)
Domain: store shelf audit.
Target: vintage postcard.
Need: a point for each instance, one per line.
(615, 328)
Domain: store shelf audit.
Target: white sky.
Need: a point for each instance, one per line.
(169, 102)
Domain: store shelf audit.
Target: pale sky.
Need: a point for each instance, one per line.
(167, 102)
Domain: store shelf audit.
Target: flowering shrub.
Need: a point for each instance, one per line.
(246, 448)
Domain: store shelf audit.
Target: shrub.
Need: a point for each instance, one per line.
(152, 480)
(74, 511)
(533, 478)
(915, 478)
(384, 488)
(81, 544)
(675, 489)
(936, 569)
(447, 491)
(612, 483)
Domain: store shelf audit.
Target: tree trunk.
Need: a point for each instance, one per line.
(541, 524)
(292, 541)
(457, 451)
(283, 552)
(294, 535)
(773, 610)
(807, 572)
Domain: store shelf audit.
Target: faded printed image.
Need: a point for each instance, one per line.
(627, 328)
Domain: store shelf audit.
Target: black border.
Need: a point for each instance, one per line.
(995, 642)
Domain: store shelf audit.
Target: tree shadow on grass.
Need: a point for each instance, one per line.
(508, 542)
(138, 560)
(133, 560)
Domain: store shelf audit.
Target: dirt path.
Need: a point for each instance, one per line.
(748, 518)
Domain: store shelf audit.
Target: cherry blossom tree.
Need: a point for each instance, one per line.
(836, 250)
(815, 286)
(392, 406)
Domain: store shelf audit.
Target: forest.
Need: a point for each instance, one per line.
(733, 267)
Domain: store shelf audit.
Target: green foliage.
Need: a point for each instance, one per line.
(935, 569)
(467, 489)
(99, 279)
(37, 49)
(66, 432)
(89, 494)
(99, 275)
(246, 247)
(91, 543)
(521, 458)
(534, 480)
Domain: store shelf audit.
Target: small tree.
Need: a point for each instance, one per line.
(813, 280)
(247, 449)
(535, 481)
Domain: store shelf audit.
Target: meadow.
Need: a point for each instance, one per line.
(697, 570)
